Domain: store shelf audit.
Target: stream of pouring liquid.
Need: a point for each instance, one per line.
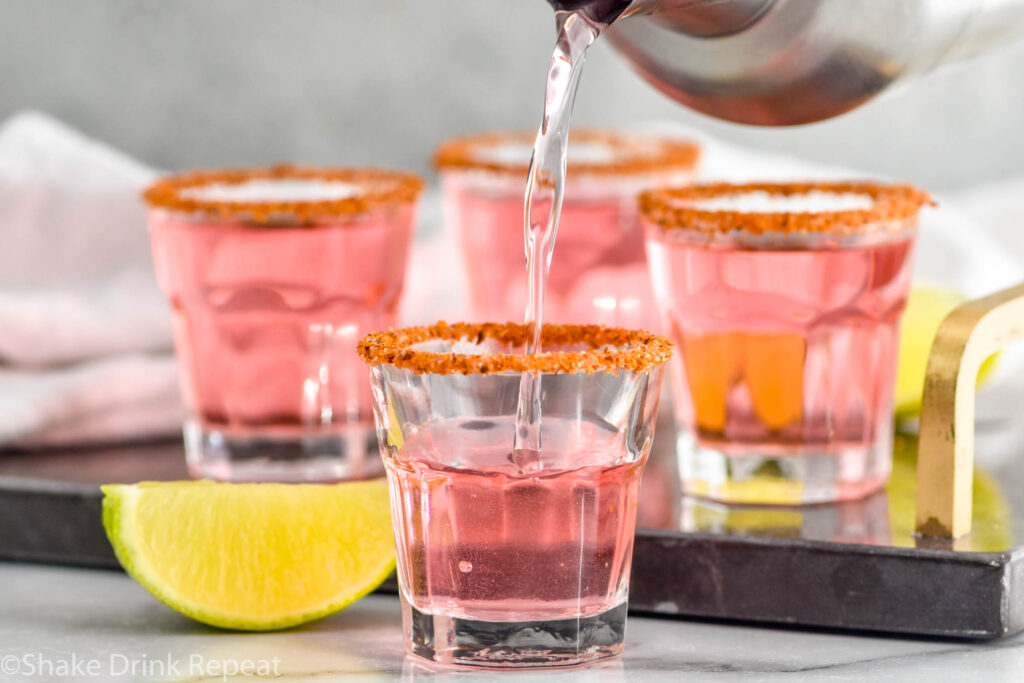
(543, 204)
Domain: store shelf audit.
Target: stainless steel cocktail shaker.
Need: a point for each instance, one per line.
(785, 62)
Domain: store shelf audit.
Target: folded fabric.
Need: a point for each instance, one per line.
(996, 207)
(76, 279)
(85, 345)
(50, 325)
(127, 396)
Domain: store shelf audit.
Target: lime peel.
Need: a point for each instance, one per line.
(254, 557)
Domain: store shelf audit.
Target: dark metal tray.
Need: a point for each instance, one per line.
(849, 566)
(856, 565)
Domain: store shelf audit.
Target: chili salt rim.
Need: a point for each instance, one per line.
(634, 350)
(633, 155)
(895, 203)
(382, 187)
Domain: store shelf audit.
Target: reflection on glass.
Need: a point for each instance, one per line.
(864, 521)
(884, 519)
(418, 669)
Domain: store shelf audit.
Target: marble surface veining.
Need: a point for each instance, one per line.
(55, 623)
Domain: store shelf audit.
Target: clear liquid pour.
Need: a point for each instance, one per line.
(543, 204)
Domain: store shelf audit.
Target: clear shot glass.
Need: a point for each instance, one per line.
(273, 275)
(513, 558)
(598, 272)
(784, 303)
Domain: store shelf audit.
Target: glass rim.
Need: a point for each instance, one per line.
(610, 349)
(892, 208)
(381, 188)
(634, 153)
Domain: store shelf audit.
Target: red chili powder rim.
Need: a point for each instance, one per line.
(633, 153)
(891, 205)
(610, 349)
(381, 187)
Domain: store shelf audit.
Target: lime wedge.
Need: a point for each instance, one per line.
(252, 557)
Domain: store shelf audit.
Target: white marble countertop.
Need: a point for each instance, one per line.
(82, 625)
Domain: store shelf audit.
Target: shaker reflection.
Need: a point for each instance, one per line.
(864, 521)
(883, 519)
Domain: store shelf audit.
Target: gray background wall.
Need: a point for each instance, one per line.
(183, 83)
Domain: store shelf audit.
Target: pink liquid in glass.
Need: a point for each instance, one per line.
(598, 271)
(785, 364)
(480, 540)
(266, 321)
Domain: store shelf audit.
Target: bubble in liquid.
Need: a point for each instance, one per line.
(465, 566)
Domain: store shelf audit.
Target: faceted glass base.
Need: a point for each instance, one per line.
(513, 644)
(348, 454)
(767, 474)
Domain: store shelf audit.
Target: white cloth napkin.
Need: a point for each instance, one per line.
(84, 331)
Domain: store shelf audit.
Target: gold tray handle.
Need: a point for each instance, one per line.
(945, 455)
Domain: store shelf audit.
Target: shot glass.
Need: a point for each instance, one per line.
(506, 557)
(598, 272)
(784, 301)
(273, 275)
